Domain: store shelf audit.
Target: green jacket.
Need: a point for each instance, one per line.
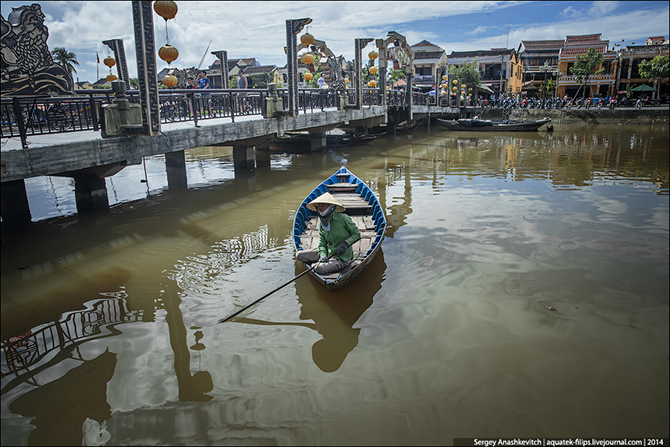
(341, 228)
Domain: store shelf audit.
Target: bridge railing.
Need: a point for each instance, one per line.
(25, 116)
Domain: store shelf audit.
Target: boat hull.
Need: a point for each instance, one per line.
(364, 209)
(530, 126)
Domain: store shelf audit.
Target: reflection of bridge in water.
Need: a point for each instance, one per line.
(37, 350)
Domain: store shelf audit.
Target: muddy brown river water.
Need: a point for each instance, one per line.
(521, 291)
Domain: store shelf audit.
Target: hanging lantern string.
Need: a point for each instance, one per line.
(167, 39)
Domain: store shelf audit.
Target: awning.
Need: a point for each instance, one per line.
(644, 88)
(485, 89)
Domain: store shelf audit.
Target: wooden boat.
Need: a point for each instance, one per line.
(364, 209)
(475, 125)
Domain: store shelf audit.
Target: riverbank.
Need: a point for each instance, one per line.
(621, 116)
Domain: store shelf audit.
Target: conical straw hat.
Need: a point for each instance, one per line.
(326, 197)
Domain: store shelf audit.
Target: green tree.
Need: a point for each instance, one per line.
(586, 65)
(65, 59)
(656, 70)
(467, 74)
(134, 83)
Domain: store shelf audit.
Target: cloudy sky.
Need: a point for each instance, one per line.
(257, 29)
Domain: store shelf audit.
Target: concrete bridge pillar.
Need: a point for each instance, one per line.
(15, 209)
(263, 160)
(243, 158)
(175, 166)
(90, 192)
(318, 141)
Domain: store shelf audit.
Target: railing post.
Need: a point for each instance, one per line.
(232, 106)
(194, 108)
(94, 112)
(18, 114)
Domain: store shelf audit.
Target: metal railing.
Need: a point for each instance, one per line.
(27, 354)
(26, 116)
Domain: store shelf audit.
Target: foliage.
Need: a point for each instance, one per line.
(65, 59)
(134, 83)
(655, 69)
(394, 75)
(467, 74)
(586, 65)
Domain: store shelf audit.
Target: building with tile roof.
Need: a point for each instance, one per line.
(428, 60)
(539, 59)
(629, 64)
(597, 85)
(500, 68)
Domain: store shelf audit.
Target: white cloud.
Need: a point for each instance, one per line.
(258, 29)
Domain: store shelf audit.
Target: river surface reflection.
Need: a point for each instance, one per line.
(521, 291)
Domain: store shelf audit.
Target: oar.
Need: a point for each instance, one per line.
(264, 296)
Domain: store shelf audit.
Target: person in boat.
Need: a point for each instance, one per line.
(337, 232)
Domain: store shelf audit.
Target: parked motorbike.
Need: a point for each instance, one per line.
(613, 103)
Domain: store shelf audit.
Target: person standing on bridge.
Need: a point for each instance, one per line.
(337, 233)
(242, 83)
(321, 81)
(203, 81)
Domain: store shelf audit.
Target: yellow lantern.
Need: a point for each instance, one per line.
(454, 89)
(455, 81)
(307, 58)
(166, 9)
(109, 61)
(169, 80)
(462, 85)
(373, 55)
(346, 79)
(444, 92)
(308, 76)
(168, 53)
(307, 39)
(443, 85)
(373, 70)
(373, 83)
(444, 77)
(111, 77)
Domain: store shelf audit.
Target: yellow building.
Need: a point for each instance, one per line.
(597, 85)
(630, 58)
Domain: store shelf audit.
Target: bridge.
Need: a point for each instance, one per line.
(89, 135)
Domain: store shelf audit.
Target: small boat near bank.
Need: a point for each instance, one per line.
(364, 209)
(477, 125)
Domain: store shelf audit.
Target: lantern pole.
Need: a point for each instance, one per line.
(359, 44)
(293, 27)
(120, 55)
(145, 52)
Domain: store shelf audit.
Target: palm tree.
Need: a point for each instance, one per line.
(65, 59)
